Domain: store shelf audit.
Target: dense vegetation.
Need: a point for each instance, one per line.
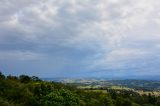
(31, 91)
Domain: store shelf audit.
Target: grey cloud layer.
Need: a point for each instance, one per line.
(112, 34)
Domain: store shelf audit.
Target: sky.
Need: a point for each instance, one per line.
(80, 38)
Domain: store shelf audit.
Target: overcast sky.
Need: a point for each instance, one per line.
(80, 38)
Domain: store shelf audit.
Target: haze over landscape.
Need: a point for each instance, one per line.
(80, 38)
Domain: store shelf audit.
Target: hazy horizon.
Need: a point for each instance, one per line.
(76, 38)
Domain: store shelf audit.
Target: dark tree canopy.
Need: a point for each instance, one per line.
(24, 78)
(2, 76)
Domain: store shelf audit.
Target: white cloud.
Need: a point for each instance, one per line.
(112, 18)
(113, 23)
(125, 54)
(121, 58)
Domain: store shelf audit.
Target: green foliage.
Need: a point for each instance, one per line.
(31, 91)
(34, 78)
(60, 98)
(24, 78)
(4, 103)
(106, 100)
(12, 77)
(2, 76)
(158, 102)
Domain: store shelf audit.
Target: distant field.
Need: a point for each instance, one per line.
(144, 85)
(153, 93)
(103, 91)
(118, 88)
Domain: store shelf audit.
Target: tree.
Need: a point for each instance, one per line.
(12, 77)
(127, 102)
(24, 78)
(61, 97)
(106, 100)
(1, 76)
(34, 78)
(151, 99)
